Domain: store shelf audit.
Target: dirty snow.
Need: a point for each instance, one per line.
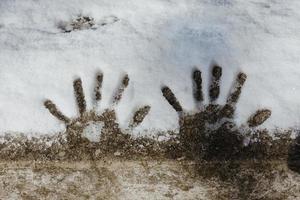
(157, 43)
(93, 131)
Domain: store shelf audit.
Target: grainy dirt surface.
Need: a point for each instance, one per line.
(122, 167)
(113, 178)
(107, 179)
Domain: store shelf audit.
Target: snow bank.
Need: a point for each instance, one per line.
(157, 43)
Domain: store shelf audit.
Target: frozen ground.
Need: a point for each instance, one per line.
(156, 42)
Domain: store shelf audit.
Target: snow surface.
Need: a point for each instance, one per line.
(93, 131)
(157, 43)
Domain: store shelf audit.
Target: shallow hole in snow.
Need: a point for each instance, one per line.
(93, 131)
(79, 23)
(85, 22)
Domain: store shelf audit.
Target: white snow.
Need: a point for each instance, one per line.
(157, 43)
(93, 131)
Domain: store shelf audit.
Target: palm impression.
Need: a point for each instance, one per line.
(210, 130)
(90, 123)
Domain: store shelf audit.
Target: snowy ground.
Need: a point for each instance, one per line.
(156, 42)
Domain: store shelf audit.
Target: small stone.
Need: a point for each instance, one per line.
(78, 123)
(61, 153)
(181, 158)
(117, 153)
(161, 138)
(97, 152)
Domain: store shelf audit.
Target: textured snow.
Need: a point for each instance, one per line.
(157, 43)
(93, 131)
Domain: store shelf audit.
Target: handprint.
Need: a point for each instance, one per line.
(103, 124)
(211, 131)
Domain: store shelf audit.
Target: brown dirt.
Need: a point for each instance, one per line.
(123, 167)
(113, 178)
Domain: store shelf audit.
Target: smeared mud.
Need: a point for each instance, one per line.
(120, 165)
(294, 155)
(210, 158)
(142, 168)
(106, 179)
(210, 132)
